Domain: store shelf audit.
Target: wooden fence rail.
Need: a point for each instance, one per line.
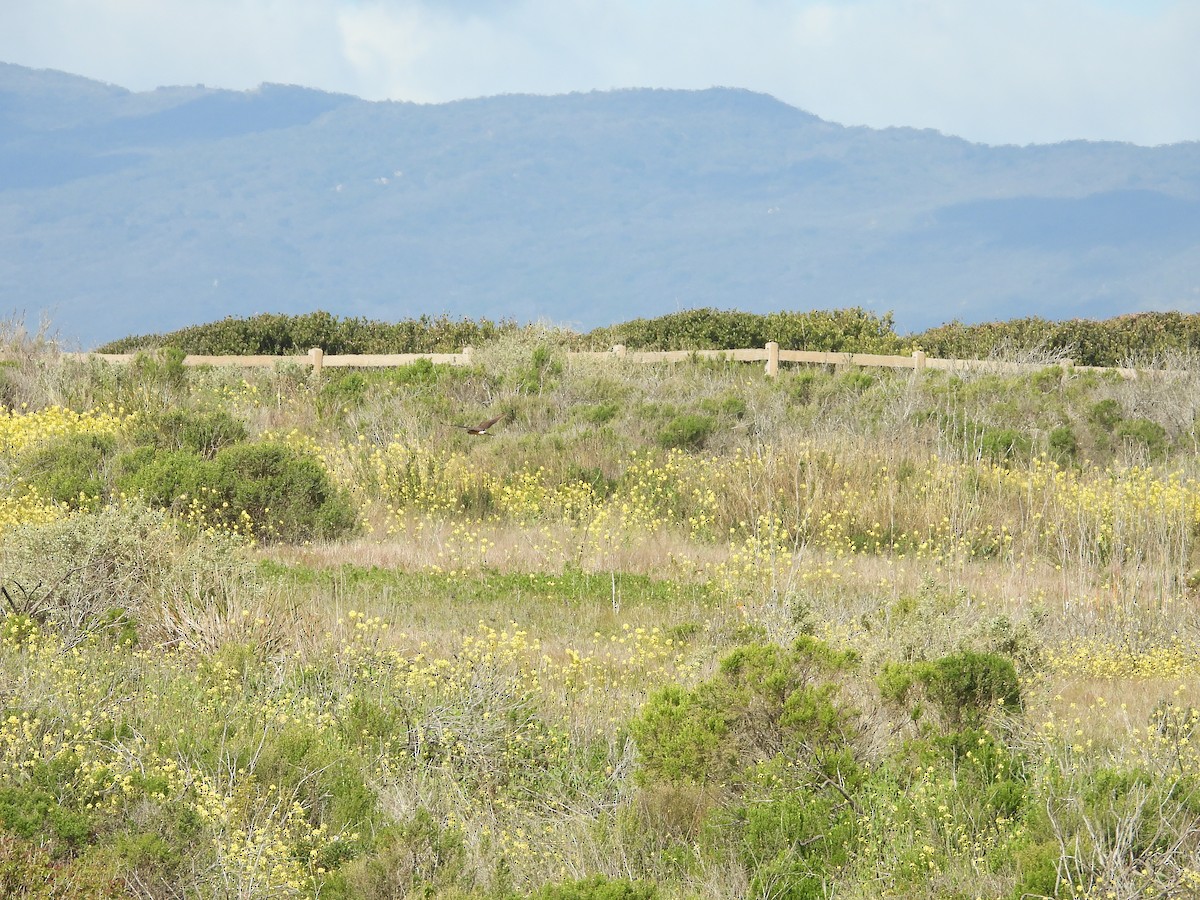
(770, 355)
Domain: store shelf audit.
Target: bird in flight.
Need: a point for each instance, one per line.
(482, 427)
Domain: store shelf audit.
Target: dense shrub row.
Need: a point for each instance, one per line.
(273, 334)
(1089, 342)
(850, 330)
(1109, 342)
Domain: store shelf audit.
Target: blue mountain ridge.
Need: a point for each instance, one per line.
(130, 213)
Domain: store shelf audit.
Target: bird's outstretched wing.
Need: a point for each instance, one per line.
(482, 427)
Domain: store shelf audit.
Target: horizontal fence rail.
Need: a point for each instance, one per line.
(771, 355)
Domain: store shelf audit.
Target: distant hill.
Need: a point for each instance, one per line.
(130, 213)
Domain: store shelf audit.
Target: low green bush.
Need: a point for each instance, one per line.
(600, 413)
(687, 432)
(1003, 444)
(34, 812)
(769, 734)
(852, 330)
(967, 684)
(1089, 342)
(345, 391)
(419, 857)
(598, 887)
(272, 490)
(69, 469)
(284, 491)
(541, 372)
(203, 432)
(856, 381)
(1038, 872)
(163, 478)
(28, 871)
(764, 700)
(1144, 434)
(729, 405)
(419, 372)
(1105, 414)
(1062, 443)
(163, 368)
(962, 686)
(802, 385)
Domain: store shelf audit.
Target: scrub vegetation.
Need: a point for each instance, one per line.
(670, 631)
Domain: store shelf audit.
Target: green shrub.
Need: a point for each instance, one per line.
(307, 764)
(28, 871)
(1047, 380)
(1109, 342)
(1145, 434)
(856, 381)
(1062, 443)
(1038, 871)
(208, 431)
(600, 413)
(32, 811)
(284, 491)
(342, 392)
(598, 887)
(69, 469)
(157, 858)
(417, 858)
(686, 432)
(789, 837)
(769, 736)
(1105, 414)
(171, 366)
(203, 432)
(801, 386)
(935, 785)
(730, 405)
(420, 372)
(963, 686)
(764, 700)
(682, 738)
(842, 330)
(163, 478)
(1003, 444)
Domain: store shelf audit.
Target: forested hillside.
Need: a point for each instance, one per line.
(190, 204)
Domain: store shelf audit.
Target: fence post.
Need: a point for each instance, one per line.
(772, 358)
(619, 351)
(1066, 364)
(316, 356)
(468, 355)
(918, 360)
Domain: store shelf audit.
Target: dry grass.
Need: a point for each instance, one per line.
(506, 547)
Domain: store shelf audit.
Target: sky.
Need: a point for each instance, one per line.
(991, 71)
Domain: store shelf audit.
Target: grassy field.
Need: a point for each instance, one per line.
(671, 631)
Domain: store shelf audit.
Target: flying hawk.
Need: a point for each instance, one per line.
(482, 427)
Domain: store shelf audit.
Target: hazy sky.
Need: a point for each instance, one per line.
(997, 71)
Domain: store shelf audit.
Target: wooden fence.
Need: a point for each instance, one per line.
(770, 355)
